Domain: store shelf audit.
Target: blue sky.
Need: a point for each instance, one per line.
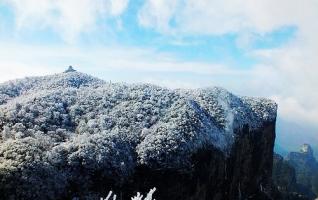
(255, 48)
(201, 47)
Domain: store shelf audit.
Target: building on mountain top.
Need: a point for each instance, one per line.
(70, 69)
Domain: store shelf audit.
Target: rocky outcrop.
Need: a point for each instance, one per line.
(71, 135)
(284, 177)
(296, 176)
(306, 168)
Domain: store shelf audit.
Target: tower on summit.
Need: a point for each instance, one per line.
(70, 69)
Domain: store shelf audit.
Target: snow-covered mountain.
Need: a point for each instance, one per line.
(55, 128)
(15, 88)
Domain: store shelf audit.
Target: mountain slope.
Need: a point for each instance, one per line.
(15, 88)
(67, 132)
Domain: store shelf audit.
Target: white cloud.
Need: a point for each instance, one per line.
(67, 17)
(288, 73)
(118, 7)
(113, 58)
(293, 110)
(220, 17)
(13, 70)
(158, 14)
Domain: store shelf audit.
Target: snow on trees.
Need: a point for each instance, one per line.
(71, 122)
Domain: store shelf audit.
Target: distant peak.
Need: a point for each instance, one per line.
(70, 69)
(306, 148)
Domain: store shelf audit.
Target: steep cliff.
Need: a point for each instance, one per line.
(71, 134)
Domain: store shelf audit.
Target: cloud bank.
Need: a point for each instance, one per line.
(67, 17)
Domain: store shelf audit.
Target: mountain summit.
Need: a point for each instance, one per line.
(69, 69)
(67, 132)
(306, 149)
(31, 85)
(296, 176)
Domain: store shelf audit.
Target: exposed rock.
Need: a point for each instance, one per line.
(88, 137)
(307, 150)
(297, 176)
(284, 178)
(306, 168)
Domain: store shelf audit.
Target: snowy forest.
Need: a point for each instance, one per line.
(62, 134)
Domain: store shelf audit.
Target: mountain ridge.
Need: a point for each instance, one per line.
(78, 124)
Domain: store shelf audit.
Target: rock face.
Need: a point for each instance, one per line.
(306, 168)
(284, 177)
(306, 150)
(71, 135)
(297, 176)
